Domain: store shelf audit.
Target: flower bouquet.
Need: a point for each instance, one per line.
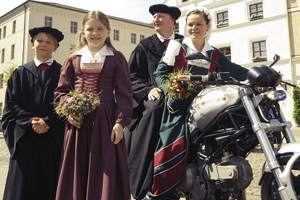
(177, 89)
(77, 103)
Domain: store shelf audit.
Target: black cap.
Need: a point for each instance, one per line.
(162, 8)
(53, 31)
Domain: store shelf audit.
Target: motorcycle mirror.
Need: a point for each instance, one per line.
(199, 55)
(275, 58)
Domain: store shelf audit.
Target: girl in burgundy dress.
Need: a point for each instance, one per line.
(93, 163)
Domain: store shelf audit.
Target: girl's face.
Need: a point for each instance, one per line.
(95, 34)
(43, 46)
(196, 26)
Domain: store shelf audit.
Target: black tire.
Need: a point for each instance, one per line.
(269, 187)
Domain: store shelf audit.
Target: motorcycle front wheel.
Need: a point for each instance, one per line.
(269, 187)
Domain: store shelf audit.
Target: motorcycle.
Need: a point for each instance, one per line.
(227, 121)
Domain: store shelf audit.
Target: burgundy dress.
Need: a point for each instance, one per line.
(92, 167)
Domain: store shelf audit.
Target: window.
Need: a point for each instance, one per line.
(176, 28)
(142, 37)
(184, 1)
(2, 55)
(14, 26)
(48, 21)
(0, 33)
(12, 52)
(4, 31)
(1, 81)
(222, 19)
(133, 38)
(74, 26)
(259, 51)
(116, 35)
(72, 47)
(256, 11)
(226, 51)
(1, 107)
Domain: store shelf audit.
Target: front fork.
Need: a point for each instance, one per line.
(285, 187)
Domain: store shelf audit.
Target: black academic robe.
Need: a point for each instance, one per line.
(142, 134)
(34, 158)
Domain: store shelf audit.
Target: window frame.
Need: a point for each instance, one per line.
(116, 35)
(224, 51)
(12, 51)
(48, 21)
(3, 55)
(14, 27)
(133, 38)
(256, 11)
(224, 21)
(262, 50)
(73, 27)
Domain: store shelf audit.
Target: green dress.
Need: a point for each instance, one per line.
(171, 153)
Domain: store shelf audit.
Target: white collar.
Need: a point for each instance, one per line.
(37, 62)
(98, 57)
(161, 38)
(192, 49)
(189, 43)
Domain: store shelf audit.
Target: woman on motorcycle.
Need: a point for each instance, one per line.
(171, 154)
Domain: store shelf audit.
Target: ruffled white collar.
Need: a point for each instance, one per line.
(192, 49)
(87, 57)
(174, 48)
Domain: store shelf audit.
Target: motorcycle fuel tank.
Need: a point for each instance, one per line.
(209, 103)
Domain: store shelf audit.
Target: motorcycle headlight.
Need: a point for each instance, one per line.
(278, 95)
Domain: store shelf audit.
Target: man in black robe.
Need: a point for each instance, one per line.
(31, 129)
(143, 133)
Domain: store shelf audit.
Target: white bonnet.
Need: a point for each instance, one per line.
(208, 15)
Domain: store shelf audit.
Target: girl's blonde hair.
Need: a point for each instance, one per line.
(89, 16)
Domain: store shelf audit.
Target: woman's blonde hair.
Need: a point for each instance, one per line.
(89, 16)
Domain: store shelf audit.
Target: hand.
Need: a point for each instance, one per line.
(74, 120)
(117, 133)
(39, 125)
(154, 94)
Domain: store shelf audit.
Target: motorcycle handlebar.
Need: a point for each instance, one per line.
(221, 76)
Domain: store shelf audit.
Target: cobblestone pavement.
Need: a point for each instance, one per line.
(253, 191)
(256, 159)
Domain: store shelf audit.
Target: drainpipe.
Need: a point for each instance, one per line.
(24, 32)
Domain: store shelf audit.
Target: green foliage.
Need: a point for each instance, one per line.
(296, 98)
(8, 72)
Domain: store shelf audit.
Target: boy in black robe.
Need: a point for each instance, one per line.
(32, 130)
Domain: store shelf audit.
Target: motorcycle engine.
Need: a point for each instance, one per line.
(198, 184)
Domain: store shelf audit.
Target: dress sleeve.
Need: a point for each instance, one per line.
(160, 74)
(123, 92)
(66, 80)
(236, 71)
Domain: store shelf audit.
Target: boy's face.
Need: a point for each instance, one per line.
(43, 46)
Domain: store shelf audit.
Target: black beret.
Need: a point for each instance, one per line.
(53, 31)
(162, 8)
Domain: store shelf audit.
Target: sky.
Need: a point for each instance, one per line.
(137, 10)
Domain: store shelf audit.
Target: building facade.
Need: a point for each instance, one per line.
(15, 45)
(251, 32)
